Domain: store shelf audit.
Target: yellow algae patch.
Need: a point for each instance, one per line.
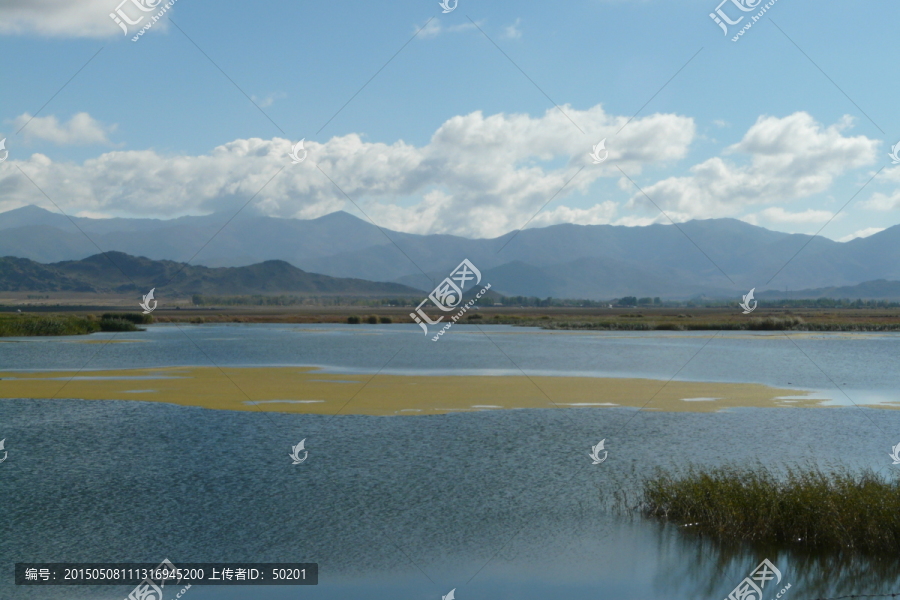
(309, 390)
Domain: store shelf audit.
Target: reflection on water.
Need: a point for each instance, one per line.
(859, 363)
(382, 502)
(707, 565)
(496, 503)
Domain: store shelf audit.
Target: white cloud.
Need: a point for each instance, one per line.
(512, 31)
(73, 18)
(885, 202)
(776, 214)
(268, 100)
(82, 129)
(790, 158)
(433, 28)
(599, 214)
(477, 176)
(861, 233)
(882, 202)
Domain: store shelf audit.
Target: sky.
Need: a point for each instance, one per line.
(474, 122)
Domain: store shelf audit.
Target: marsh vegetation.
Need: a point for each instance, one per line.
(854, 511)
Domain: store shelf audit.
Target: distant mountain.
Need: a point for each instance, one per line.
(879, 289)
(117, 272)
(715, 257)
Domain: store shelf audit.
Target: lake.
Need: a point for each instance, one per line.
(492, 503)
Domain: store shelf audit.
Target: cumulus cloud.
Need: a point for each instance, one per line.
(885, 202)
(790, 158)
(599, 214)
(861, 233)
(890, 174)
(81, 129)
(776, 214)
(882, 202)
(68, 18)
(477, 176)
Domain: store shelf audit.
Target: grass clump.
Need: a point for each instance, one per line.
(859, 512)
(353, 320)
(372, 320)
(123, 321)
(775, 323)
(28, 325)
(385, 320)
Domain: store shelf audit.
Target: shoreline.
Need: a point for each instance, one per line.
(311, 390)
(680, 319)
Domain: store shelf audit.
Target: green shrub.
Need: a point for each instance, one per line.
(386, 320)
(353, 320)
(372, 320)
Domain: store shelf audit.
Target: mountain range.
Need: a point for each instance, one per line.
(713, 257)
(117, 272)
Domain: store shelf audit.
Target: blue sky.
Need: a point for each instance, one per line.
(451, 136)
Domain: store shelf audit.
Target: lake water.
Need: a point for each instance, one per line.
(496, 504)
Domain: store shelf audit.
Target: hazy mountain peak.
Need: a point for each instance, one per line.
(591, 261)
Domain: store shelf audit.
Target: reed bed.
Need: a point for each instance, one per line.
(806, 507)
(28, 325)
(21, 325)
